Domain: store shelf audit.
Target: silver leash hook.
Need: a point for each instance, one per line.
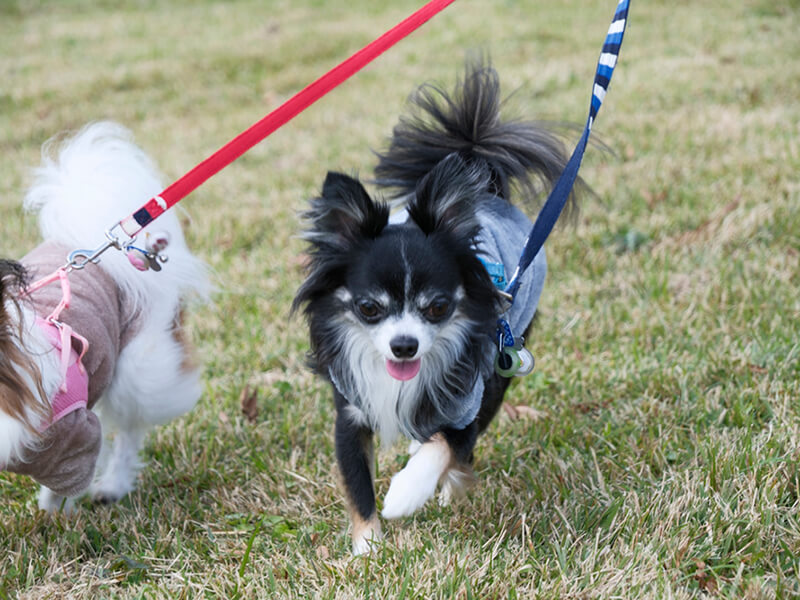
(79, 258)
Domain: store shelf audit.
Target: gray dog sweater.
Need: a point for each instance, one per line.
(504, 230)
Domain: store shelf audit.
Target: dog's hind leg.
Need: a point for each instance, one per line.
(123, 464)
(153, 383)
(459, 475)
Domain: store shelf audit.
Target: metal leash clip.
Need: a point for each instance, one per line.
(78, 259)
(149, 257)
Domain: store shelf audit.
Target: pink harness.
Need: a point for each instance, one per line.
(73, 393)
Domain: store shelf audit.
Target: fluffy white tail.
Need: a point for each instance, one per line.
(90, 181)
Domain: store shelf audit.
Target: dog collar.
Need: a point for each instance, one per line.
(497, 271)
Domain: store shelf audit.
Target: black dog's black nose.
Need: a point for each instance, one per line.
(404, 346)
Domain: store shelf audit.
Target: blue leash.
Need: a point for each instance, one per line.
(558, 196)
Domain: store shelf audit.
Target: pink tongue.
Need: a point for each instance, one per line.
(403, 370)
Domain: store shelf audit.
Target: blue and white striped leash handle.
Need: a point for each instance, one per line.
(558, 196)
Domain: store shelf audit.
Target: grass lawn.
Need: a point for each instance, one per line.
(657, 453)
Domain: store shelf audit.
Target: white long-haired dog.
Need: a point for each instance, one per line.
(138, 370)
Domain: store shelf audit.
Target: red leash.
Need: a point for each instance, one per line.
(181, 188)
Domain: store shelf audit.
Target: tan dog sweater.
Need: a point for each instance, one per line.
(64, 460)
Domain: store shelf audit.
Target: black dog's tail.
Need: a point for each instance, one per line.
(522, 154)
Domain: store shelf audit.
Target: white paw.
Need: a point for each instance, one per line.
(407, 493)
(366, 540)
(52, 502)
(416, 483)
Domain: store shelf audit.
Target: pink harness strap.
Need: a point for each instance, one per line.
(73, 393)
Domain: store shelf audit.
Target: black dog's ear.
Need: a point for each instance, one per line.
(447, 197)
(345, 211)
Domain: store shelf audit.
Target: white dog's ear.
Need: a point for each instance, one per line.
(447, 197)
(345, 212)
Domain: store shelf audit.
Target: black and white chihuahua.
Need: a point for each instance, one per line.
(402, 310)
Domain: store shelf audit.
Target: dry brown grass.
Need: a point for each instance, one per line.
(663, 462)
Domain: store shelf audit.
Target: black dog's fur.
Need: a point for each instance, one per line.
(452, 156)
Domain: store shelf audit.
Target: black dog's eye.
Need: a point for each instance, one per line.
(369, 310)
(437, 310)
